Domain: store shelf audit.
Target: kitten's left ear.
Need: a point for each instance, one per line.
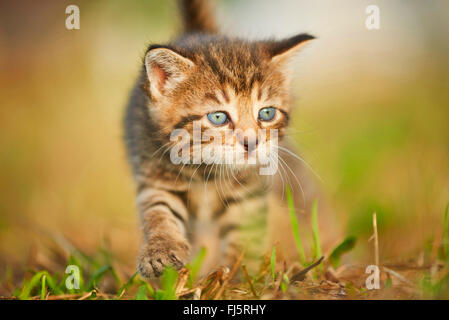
(165, 70)
(282, 50)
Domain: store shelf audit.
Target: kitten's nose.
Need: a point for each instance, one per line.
(247, 144)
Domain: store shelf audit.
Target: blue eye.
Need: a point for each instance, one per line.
(267, 114)
(218, 118)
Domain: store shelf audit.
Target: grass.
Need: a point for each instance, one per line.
(345, 246)
(273, 262)
(195, 265)
(295, 225)
(317, 254)
(316, 233)
(446, 233)
(34, 282)
(100, 279)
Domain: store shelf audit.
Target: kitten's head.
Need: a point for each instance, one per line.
(228, 89)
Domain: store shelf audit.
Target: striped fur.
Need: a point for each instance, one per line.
(184, 207)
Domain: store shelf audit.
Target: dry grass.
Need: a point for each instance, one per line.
(102, 277)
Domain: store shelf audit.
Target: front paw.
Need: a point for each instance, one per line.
(160, 252)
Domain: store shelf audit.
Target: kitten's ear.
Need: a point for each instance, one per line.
(165, 70)
(282, 50)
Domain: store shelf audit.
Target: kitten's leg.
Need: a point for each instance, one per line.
(231, 245)
(163, 216)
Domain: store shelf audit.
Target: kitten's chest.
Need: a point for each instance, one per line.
(204, 200)
(209, 199)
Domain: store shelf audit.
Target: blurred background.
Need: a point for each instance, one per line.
(371, 117)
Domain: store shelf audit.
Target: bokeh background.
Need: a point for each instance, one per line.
(371, 117)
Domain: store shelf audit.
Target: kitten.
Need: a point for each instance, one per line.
(224, 86)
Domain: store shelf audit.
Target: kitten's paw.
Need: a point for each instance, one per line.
(161, 252)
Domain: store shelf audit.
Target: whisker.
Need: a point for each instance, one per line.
(163, 154)
(212, 166)
(183, 165)
(300, 159)
(229, 183)
(280, 175)
(221, 185)
(193, 174)
(159, 149)
(236, 179)
(296, 178)
(291, 131)
(216, 188)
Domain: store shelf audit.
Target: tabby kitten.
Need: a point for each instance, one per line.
(223, 85)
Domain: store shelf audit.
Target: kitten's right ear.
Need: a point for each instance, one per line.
(283, 50)
(165, 70)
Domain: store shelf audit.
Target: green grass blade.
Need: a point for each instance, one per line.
(43, 287)
(285, 283)
(52, 286)
(346, 245)
(273, 262)
(316, 232)
(28, 286)
(295, 225)
(50, 282)
(141, 293)
(127, 284)
(116, 277)
(168, 285)
(195, 265)
(150, 289)
(98, 274)
(446, 233)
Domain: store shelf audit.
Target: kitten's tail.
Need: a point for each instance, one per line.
(198, 16)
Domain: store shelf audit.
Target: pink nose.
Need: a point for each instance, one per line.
(248, 144)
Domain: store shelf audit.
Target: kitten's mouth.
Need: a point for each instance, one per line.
(250, 155)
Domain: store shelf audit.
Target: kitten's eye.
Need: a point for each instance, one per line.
(218, 118)
(267, 114)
